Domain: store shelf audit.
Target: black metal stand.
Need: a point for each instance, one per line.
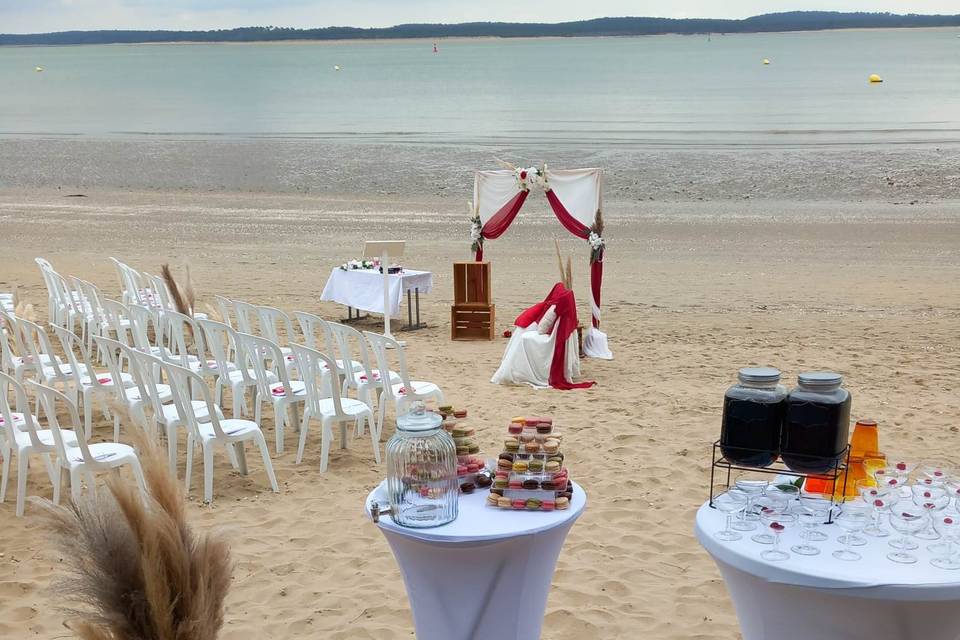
(778, 468)
(353, 315)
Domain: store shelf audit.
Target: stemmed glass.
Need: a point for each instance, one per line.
(777, 523)
(878, 499)
(809, 519)
(747, 520)
(852, 519)
(820, 506)
(891, 478)
(933, 500)
(783, 491)
(933, 475)
(949, 528)
(906, 519)
(768, 506)
(729, 502)
(850, 538)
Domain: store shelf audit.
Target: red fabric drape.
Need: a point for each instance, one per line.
(577, 228)
(501, 220)
(566, 309)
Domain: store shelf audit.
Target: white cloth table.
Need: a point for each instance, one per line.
(363, 288)
(820, 597)
(486, 574)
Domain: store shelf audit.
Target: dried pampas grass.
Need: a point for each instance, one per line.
(566, 274)
(138, 572)
(179, 299)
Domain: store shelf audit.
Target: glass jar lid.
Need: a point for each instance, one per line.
(820, 379)
(762, 375)
(419, 419)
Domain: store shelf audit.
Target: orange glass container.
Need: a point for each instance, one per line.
(866, 437)
(819, 485)
(874, 460)
(847, 481)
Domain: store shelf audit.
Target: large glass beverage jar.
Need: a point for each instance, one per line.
(817, 425)
(753, 411)
(422, 471)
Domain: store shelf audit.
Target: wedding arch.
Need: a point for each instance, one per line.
(576, 199)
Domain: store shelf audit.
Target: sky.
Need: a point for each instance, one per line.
(33, 16)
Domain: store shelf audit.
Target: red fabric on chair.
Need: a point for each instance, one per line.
(566, 308)
(501, 220)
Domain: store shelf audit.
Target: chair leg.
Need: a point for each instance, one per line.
(374, 436)
(57, 482)
(172, 442)
(326, 435)
(217, 391)
(237, 410)
(382, 409)
(138, 474)
(241, 456)
(191, 445)
(279, 418)
(5, 452)
(23, 464)
(303, 437)
(92, 482)
(295, 407)
(75, 485)
(88, 414)
(116, 427)
(207, 471)
(267, 463)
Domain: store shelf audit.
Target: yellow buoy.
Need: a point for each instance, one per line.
(38, 69)
(874, 78)
(765, 61)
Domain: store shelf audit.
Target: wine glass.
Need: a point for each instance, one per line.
(768, 506)
(850, 538)
(878, 499)
(809, 519)
(906, 519)
(891, 478)
(949, 528)
(933, 475)
(783, 491)
(853, 518)
(747, 519)
(904, 468)
(777, 523)
(933, 500)
(822, 507)
(729, 502)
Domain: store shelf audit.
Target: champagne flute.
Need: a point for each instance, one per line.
(906, 519)
(777, 523)
(949, 528)
(933, 500)
(731, 501)
(747, 519)
(852, 519)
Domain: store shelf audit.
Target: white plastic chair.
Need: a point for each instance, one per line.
(210, 431)
(312, 325)
(24, 443)
(247, 317)
(272, 320)
(221, 339)
(324, 403)
(282, 394)
(18, 360)
(53, 371)
(134, 399)
(368, 381)
(406, 391)
(82, 459)
(89, 383)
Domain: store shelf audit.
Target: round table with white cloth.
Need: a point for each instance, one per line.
(822, 598)
(486, 574)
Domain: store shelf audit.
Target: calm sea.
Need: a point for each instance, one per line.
(664, 90)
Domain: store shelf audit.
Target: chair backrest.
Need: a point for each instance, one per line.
(379, 343)
(49, 399)
(73, 347)
(7, 384)
(38, 344)
(310, 326)
(118, 315)
(10, 340)
(316, 369)
(246, 316)
(112, 350)
(225, 307)
(271, 319)
(345, 338)
(53, 297)
(141, 317)
(160, 292)
(184, 382)
(182, 330)
(258, 352)
(221, 339)
(145, 369)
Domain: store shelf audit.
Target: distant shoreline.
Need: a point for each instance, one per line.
(454, 39)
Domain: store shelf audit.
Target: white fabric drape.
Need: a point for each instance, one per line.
(579, 190)
(528, 357)
(492, 190)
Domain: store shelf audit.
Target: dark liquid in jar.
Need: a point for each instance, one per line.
(751, 431)
(818, 432)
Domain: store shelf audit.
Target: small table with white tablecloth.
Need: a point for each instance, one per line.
(362, 289)
(486, 574)
(823, 598)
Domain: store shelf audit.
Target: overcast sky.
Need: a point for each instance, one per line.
(30, 16)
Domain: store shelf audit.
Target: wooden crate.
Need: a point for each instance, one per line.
(473, 321)
(471, 283)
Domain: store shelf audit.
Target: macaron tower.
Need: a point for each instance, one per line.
(471, 468)
(530, 475)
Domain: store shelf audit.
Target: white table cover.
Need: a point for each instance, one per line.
(486, 574)
(363, 288)
(808, 597)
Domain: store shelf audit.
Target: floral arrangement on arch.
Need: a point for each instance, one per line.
(597, 243)
(530, 175)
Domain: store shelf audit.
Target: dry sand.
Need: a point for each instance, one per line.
(692, 292)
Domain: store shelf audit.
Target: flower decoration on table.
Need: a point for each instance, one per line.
(352, 265)
(597, 243)
(476, 230)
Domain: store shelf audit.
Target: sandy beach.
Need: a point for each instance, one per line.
(839, 259)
